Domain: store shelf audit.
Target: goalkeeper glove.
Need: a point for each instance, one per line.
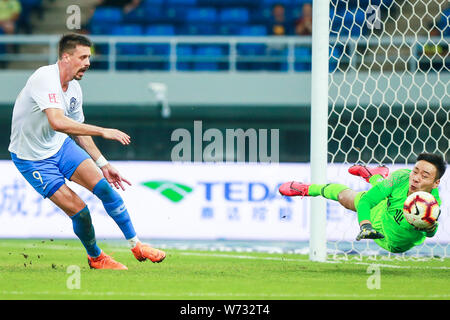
(368, 232)
(431, 231)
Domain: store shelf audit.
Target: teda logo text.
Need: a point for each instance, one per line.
(231, 148)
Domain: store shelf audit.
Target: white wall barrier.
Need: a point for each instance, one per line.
(193, 201)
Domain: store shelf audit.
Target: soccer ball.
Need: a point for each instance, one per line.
(421, 210)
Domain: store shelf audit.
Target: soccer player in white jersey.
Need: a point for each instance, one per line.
(50, 143)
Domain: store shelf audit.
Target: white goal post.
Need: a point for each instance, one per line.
(319, 125)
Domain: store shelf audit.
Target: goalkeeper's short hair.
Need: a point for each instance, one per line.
(437, 160)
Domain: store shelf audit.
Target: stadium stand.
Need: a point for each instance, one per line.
(226, 18)
(229, 18)
(28, 7)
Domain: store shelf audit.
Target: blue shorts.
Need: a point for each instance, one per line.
(48, 175)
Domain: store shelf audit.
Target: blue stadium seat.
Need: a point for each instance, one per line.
(127, 30)
(140, 15)
(128, 49)
(152, 3)
(272, 2)
(176, 15)
(160, 52)
(247, 52)
(182, 2)
(210, 52)
(202, 29)
(107, 15)
(103, 18)
(160, 30)
(253, 30)
(202, 57)
(234, 15)
(184, 50)
(156, 14)
(100, 29)
(157, 49)
(251, 49)
(260, 15)
(207, 15)
(229, 29)
(228, 3)
(184, 53)
(302, 58)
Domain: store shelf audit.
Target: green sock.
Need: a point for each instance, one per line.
(330, 191)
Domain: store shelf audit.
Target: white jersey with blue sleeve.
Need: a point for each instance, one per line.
(32, 137)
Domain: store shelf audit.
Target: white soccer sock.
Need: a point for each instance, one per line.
(133, 242)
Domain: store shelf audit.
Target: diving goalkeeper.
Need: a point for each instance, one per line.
(380, 209)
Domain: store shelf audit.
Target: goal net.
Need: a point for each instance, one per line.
(389, 100)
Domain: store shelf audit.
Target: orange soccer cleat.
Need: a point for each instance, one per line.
(294, 188)
(143, 251)
(103, 261)
(365, 172)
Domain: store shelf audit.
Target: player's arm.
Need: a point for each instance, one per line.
(372, 198)
(59, 122)
(88, 144)
(111, 174)
(369, 200)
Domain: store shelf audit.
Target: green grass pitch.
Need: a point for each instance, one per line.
(43, 269)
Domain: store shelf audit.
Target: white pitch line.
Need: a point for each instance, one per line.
(216, 294)
(308, 261)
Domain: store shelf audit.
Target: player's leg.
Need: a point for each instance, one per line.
(371, 175)
(88, 176)
(45, 177)
(69, 202)
(337, 192)
(332, 191)
(77, 166)
(78, 211)
(81, 169)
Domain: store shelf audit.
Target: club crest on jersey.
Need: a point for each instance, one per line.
(73, 104)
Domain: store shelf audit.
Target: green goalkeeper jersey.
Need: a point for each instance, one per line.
(384, 204)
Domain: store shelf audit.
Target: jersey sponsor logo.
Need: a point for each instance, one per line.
(52, 98)
(73, 104)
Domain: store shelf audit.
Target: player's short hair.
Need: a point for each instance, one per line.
(70, 41)
(435, 159)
